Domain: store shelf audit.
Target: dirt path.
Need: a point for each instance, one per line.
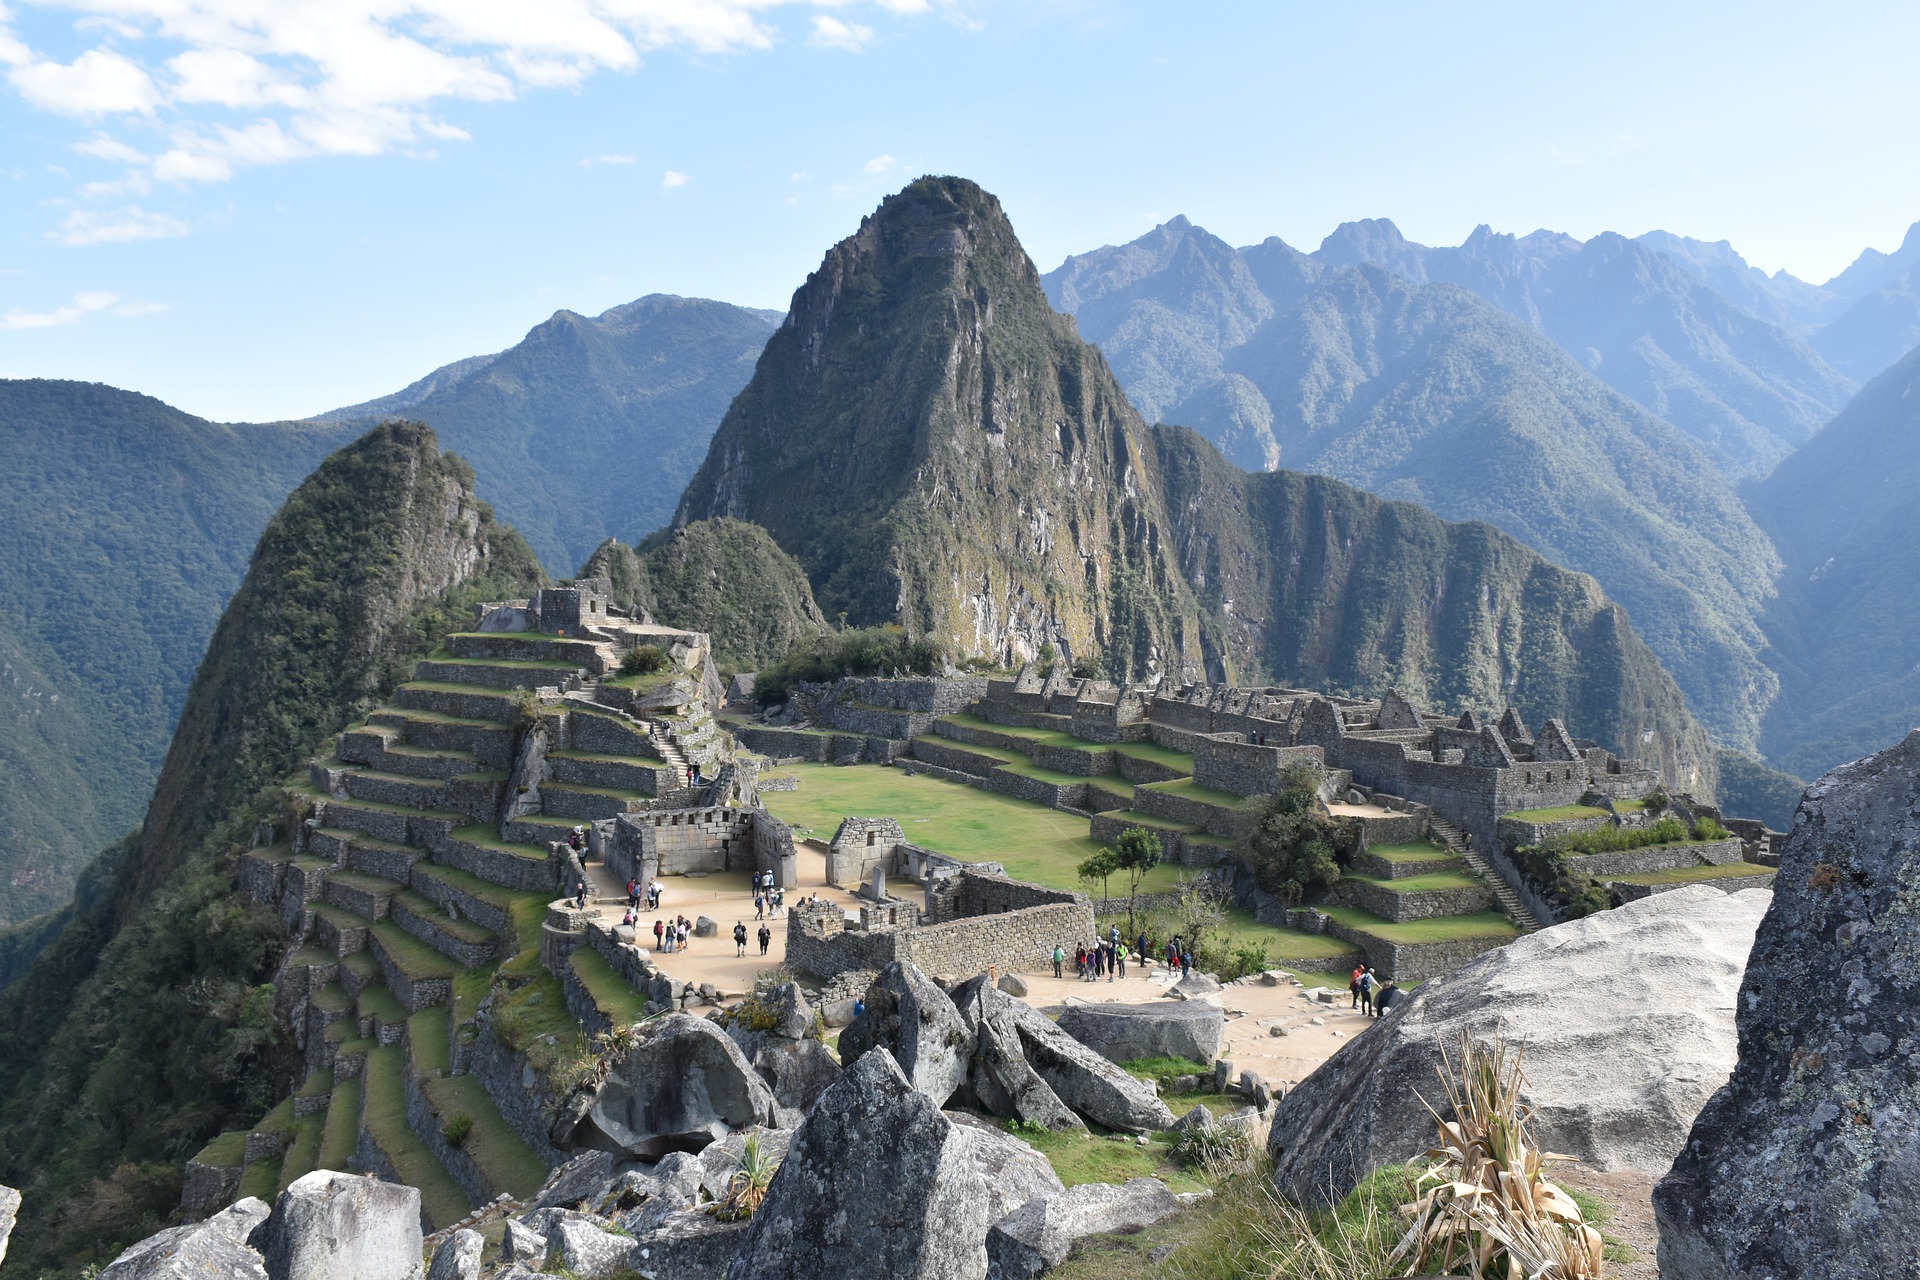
(1630, 1196)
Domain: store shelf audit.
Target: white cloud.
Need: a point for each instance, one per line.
(590, 161)
(119, 226)
(831, 33)
(674, 178)
(83, 304)
(101, 147)
(879, 164)
(99, 82)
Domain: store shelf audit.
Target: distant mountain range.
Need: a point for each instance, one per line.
(588, 427)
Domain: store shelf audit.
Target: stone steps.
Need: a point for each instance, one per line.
(379, 1015)
(341, 932)
(1511, 906)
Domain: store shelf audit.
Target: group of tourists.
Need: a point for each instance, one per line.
(1107, 957)
(634, 891)
(670, 936)
(740, 938)
(1371, 994)
(769, 899)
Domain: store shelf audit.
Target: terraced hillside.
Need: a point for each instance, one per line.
(416, 893)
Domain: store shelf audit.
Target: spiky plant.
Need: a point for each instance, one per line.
(1491, 1214)
(748, 1186)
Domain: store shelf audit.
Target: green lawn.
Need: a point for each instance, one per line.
(227, 1151)
(1421, 852)
(1031, 841)
(611, 993)
(1421, 884)
(1153, 751)
(1482, 924)
(1684, 875)
(1081, 1157)
(1559, 813)
(1281, 942)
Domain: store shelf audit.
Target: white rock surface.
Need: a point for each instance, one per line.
(340, 1226)
(1627, 1023)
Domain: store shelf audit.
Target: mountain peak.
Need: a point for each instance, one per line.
(1368, 240)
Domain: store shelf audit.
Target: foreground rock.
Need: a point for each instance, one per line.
(458, 1258)
(1013, 1171)
(914, 1020)
(1039, 1235)
(682, 1086)
(1627, 1022)
(878, 1182)
(1087, 1082)
(1002, 1081)
(215, 1249)
(1808, 1162)
(775, 1032)
(9, 1214)
(1190, 1029)
(340, 1226)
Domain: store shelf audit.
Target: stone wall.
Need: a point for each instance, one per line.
(1659, 857)
(859, 845)
(1233, 823)
(1376, 868)
(674, 842)
(1398, 828)
(1244, 769)
(971, 893)
(1514, 832)
(1762, 878)
(821, 942)
(1400, 907)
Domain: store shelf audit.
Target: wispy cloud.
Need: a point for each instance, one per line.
(879, 164)
(84, 304)
(590, 161)
(674, 178)
(831, 33)
(227, 85)
(117, 226)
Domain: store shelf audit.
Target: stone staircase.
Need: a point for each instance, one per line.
(406, 897)
(1510, 904)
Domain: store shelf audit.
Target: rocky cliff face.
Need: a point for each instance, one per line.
(938, 448)
(1808, 1162)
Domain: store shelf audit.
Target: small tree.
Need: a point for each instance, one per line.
(1202, 906)
(1100, 867)
(1294, 848)
(1136, 852)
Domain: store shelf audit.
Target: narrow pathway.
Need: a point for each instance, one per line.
(1511, 905)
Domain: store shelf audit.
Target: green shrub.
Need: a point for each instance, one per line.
(865, 651)
(1708, 829)
(1620, 839)
(1296, 849)
(645, 660)
(1546, 870)
(457, 1128)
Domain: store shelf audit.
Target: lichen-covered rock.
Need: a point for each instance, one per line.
(340, 1226)
(580, 1183)
(912, 1018)
(691, 1244)
(588, 1250)
(1189, 1029)
(878, 1182)
(1808, 1162)
(522, 1243)
(1014, 1172)
(1039, 1235)
(216, 1249)
(1626, 1018)
(682, 1085)
(719, 1162)
(1001, 1079)
(458, 1258)
(1095, 1088)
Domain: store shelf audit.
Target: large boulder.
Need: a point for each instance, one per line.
(689, 1244)
(911, 1017)
(341, 1226)
(458, 1257)
(9, 1214)
(1190, 1029)
(775, 1030)
(1626, 1019)
(1013, 1171)
(588, 1250)
(1808, 1162)
(1003, 1082)
(682, 1085)
(877, 1182)
(215, 1249)
(1085, 1081)
(1039, 1235)
(580, 1183)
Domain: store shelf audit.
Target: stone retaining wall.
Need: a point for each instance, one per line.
(955, 756)
(512, 1083)
(1659, 857)
(1377, 868)
(1424, 904)
(1234, 824)
(1398, 828)
(1517, 831)
(1762, 878)
(1244, 769)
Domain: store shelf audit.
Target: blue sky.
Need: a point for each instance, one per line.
(265, 208)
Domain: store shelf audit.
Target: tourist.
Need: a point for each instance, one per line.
(1143, 949)
(779, 899)
(683, 934)
(630, 917)
(739, 938)
(766, 938)
(859, 1007)
(1366, 993)
(580, 895)
(759, 907)
(633, 893)
(1120, 959)
(1353, 986)
(659, 935)
(1079, 959)
(1059, 960)
(1387, 994)
(1186, 962)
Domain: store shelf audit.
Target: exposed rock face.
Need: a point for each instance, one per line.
(1037, 1237)
(775, 1032)
(1627, 1022)
(690, 1244)
(588, 1250)
(1808, 1162)
(1126, 1032)
(9, 1214)
(340, 1226)
(1014, 1172)
(458, 1258)
(215, 1249)
(682, 1086)
(578, 1183)
(1003, 1082)
(877, 1183)
(913, 1019)
(1087, 1082)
